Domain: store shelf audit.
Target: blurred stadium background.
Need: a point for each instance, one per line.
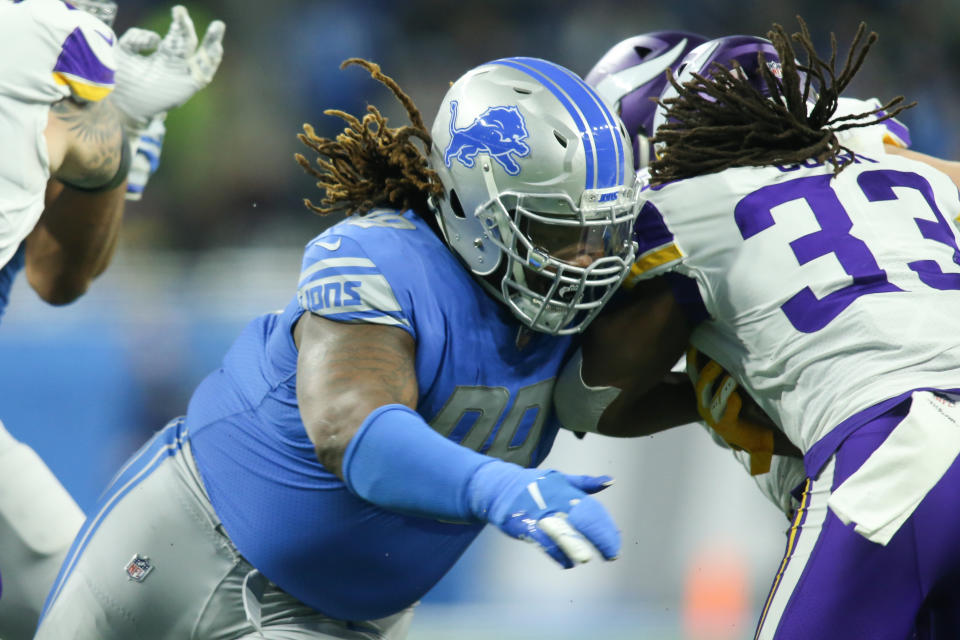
(218, 239)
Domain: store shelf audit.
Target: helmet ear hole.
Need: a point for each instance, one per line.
(456, 206)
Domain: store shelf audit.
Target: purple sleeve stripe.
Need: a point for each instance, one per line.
(899, 130)
(897, 133)
(650, 231)
(78, 60)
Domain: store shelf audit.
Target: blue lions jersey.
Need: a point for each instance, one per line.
(292, 518)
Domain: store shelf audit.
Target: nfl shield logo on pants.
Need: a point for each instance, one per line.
(138, 568)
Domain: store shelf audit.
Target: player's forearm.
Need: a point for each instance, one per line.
(668, 404)
(73, 241)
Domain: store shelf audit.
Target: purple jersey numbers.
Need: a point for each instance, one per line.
(878, 185)
(805, 311)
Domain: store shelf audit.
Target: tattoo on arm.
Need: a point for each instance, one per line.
(95, 133)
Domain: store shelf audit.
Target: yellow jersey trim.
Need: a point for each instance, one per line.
(83, 89)
(652, 260)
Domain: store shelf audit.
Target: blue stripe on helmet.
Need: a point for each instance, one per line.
(574, 113)
(597, 125)
(600, 109)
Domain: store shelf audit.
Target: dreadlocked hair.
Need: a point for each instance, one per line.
(723, 122)
(372, 165)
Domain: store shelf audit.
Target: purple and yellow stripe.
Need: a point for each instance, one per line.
(792, 540)
(655, 244)
(79, 68)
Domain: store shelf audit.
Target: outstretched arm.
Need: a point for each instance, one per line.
(356, 388)
(632, 348)
(77, 232)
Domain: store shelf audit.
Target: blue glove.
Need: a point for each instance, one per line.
(549, 508)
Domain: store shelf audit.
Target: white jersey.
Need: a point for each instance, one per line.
(825, 295)
(869, 140)
(48, 51)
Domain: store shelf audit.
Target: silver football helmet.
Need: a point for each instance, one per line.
(105, 10)
(540, 190)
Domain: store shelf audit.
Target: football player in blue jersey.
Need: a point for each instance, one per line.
(824, 277)
(353, 444)
(77, 110)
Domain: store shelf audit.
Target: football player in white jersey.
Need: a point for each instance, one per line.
(76, 108)
(826, 281)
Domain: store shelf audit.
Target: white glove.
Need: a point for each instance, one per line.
(150, 84)
(145, 151)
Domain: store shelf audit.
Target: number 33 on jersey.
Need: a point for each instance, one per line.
(791, 261)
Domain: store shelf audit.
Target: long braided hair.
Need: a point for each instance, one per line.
(722, 121)
(369, 164)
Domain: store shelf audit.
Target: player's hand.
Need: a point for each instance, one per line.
(549, 508)
(145, 149)
(719, 405)
(157, 74)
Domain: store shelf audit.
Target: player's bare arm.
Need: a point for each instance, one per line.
(633, 348)
(76, 235)
(84, 142)
(344, 372)
(652, 397)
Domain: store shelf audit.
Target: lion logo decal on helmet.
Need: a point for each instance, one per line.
(498, 132)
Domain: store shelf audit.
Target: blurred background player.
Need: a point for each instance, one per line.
(305, 492)
(853, 373)
(75, 111)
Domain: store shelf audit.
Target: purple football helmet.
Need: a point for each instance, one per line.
(632, 73)
(725, 51)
